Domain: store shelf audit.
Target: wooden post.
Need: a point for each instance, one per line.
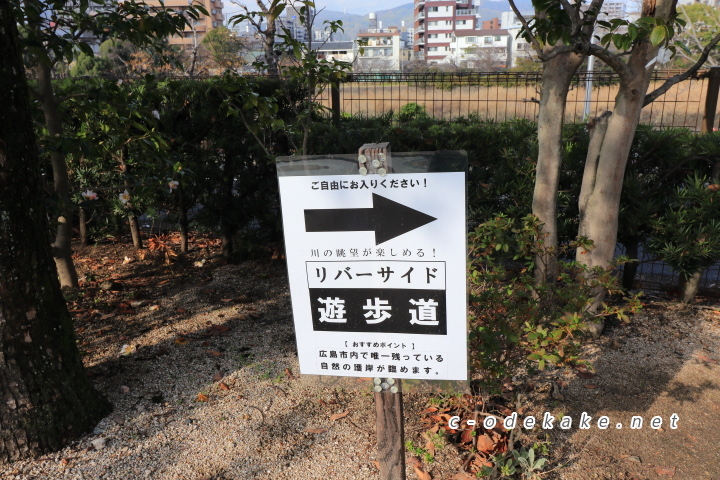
(335, 100)
(711, 99)
(390, 429)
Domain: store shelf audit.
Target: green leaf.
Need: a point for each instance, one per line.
(658, 35)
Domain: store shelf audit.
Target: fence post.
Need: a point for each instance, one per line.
(711, 99)
(335, 100)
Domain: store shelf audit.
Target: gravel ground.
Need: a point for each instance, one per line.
(209, 388)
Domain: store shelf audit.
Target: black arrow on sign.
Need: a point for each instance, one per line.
(386, 218)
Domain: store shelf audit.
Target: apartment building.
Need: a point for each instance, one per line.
(381, 50)
(194, 33)
(437, 22)
(485, 49)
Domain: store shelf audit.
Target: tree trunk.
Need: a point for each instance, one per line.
(690, 285)
(135, 231)
(62, 246)
(83, 227)
(227, 218)
(132, 217)
(183, 214)
(630, 268)
(605, 168)
(557, 75)
(47, 399)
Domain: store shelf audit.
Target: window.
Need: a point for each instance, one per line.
(432, 24)
(432, 49)
(448, 35)
(497, 38)
(433, 9)
(461, 22)
(470, 39)
(448, 22)
(488, 40)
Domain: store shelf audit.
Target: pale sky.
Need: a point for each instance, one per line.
(359, 7)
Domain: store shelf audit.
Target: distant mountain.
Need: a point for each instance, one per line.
(394, 17)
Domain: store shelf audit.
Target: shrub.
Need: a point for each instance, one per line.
(515, 323)
(687, 235)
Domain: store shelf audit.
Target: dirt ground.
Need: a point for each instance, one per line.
(182, 351)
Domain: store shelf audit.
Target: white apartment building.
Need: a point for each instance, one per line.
(519, 47)
(483, 49)
(437, 22)
(381, 49)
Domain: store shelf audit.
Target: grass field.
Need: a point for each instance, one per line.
(682, 106)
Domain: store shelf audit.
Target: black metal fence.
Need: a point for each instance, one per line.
(502, 96)
(655, 275)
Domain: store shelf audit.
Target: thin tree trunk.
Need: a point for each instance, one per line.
(135, 231)
(47, 399)
(132, 217)
(62, 246)
(691, 285)
(630, 268)
(227, 222)
(557, 75)
(83, 227)
(183, 213)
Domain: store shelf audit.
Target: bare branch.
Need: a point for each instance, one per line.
(595, 7)
(674, 80)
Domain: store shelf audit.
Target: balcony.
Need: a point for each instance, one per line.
(420, 16)
(420, 28)
(420, 41)
(466, 11)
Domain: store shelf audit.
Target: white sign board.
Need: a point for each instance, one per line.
(377, 270)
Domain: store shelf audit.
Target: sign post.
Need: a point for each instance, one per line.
(376, 253)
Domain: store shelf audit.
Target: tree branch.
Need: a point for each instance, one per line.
(535, 43)
(575, 21)
(612, 61)
(652, 96)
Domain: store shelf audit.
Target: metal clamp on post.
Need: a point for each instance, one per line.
(374, 158)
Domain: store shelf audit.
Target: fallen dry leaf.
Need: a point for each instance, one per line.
(485, 444)
(585, 374)
(181, 341)
(226, 300)
(430, 410)
(202, 398)
(430, 447)
(154, 308)
(669, 471)
(223, 386)
(414, 461)
(462, 476)
(215, 353)
(316, 430)
(421, 474)
(289, 374)
(590, 385)
(338, 416)
(217, 377)
(218, 329)
(180, 310)
(466, 436)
